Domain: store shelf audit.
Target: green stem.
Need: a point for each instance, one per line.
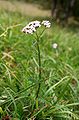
(39, 61)
(39, 69)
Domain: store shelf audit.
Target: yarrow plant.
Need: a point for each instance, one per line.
(32, 28)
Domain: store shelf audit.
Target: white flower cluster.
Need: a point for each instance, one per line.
(46, 23)
(55, 45)
(32, 26)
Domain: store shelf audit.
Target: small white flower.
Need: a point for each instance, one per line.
(55, 45)
(35, 24)
(27, 31)
(46, 23)
(31, 27)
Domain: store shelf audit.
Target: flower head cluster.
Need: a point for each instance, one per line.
(46, 23)
(55, 45)
(32, 26)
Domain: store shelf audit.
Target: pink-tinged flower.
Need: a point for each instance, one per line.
(35, 24)
(28, 29)
(46, 23)
(31, 27)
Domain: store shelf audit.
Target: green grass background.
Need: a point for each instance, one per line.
(59, 94)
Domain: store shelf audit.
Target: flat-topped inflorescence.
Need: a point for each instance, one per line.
(46, 23)
(32, 26)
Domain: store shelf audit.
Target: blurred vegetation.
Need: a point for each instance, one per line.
(46, 4)
(58, 97)
(76, 8)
